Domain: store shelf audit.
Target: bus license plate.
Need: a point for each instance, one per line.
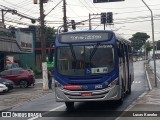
(86, 94)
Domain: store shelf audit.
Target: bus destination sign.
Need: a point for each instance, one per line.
(102, 1)
(84, 37)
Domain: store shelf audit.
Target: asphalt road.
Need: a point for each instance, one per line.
(157, 67)
(58, 110)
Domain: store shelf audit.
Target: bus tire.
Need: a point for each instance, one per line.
(69, 105)
(120, 101)
(129, 86)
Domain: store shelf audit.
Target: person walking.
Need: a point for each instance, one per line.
(49, 79)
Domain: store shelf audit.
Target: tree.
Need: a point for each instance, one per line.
(148, 48)
(138, 40)
(50, 34)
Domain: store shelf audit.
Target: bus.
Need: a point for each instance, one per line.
(93, 65)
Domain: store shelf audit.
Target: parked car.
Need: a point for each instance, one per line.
(11, 65)
(8, 83)
(19, 76)
(3, 88)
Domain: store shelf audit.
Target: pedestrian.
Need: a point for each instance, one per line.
(49, 79)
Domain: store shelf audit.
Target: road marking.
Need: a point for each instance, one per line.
(149, 84)
(136, 82)
(132, 105)
(54, 109)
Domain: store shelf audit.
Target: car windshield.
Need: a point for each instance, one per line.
(85, 60)
(10, 66)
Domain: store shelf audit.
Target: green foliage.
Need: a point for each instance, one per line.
(141, 36)
(37, 71)
(138, 40)
(148, 47)
(50, 34)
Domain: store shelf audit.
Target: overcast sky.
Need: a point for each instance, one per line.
(130, 16)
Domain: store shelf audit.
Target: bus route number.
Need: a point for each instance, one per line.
(98, 86)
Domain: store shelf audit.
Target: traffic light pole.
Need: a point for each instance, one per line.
(154, 58)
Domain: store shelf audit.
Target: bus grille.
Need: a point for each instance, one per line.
(97, 94)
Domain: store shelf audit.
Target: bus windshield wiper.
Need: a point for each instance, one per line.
(73, 54)
(94, 51)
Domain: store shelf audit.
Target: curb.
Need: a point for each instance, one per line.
(147, 76)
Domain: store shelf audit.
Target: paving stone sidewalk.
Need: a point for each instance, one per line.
(19, 96)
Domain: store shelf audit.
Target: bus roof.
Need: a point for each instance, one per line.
(119, 38)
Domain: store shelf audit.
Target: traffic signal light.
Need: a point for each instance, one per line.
(73, 24)
(103, 18)
(33, 21)
(109, 17)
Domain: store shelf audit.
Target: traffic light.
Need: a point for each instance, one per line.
(35, 1)
(103, 18)
(73, 24)
(33, 21)
(109, 17)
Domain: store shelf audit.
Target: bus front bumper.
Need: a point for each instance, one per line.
(110, 93)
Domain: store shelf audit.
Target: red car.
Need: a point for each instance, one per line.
(19, 76)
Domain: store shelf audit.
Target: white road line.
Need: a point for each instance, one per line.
(150, 87)
(135, 82)
(54, 109)
(157, 76)
(132, 105)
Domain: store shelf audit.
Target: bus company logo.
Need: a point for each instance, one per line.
(88, 70)
(6, 114)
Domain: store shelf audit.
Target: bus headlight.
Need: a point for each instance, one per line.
(57, 84)
(113, 83)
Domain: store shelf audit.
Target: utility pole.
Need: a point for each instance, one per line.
(3, 18)
(2, 12)
(64, 17)
(43, 47)
(154, 58)
(90, 27)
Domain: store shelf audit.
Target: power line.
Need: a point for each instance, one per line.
(53, 8)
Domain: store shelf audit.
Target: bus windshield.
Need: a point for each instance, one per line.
(85, 60)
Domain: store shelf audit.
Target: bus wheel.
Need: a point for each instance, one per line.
(129, 86)
(120, 101)
(69, 105)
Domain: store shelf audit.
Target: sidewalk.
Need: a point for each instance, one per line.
(146, 104)
(20, 96)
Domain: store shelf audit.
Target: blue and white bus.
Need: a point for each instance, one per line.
(93, 65)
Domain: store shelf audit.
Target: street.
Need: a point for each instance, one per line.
(48, 104)
(157, 67)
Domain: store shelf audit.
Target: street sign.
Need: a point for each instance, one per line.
(101, 1)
